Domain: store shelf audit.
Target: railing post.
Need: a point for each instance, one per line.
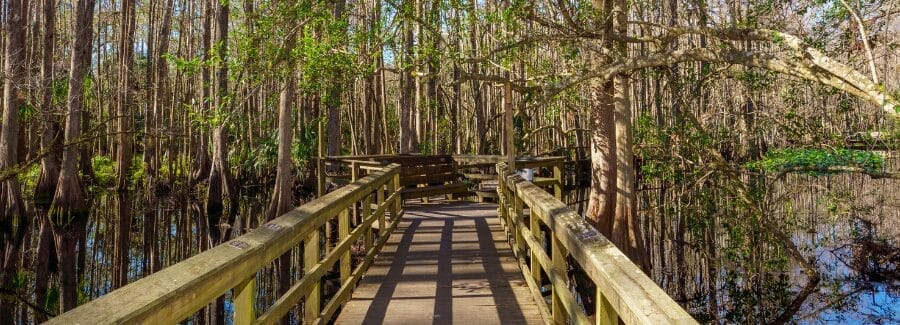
(354, 175)
(313, 303)
(320, 163)
(244, 297)
(379, 200)
(558, 176)
(534, 225)
(502, 210)
(343, 233)
(399, 200)
(558, 258)
(606, 314)
(368, 241)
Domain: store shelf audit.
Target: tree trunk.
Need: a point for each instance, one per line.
(612, 206)
(283, 194)
(49, 175)
(408, 141)
(69, 206)
(13, 221)
(626, 232)
(124, 98)
(602, 200)
(201, 158)
(122, 240)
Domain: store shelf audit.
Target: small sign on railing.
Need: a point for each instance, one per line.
(239, 244)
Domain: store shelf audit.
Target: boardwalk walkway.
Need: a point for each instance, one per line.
(447, 262)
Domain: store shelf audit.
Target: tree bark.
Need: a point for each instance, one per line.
(333, 99)
(626, 232)
(283, 194)
(407, 110)
(201, 158)
(69, 202)
(13, 221)
(124, 98)
(49, 175)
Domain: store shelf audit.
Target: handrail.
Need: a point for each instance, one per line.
(624, 292)
(175, 293)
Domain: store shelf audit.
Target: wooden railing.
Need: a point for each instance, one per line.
(177, 292)
(624, 292)
(423, 176)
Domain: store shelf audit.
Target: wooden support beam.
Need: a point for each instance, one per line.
(606, 314)
(244, 300)
(343, 233)
(313, 301)
(320, 163)
(559, 267)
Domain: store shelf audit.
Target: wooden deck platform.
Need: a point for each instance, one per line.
(446, 263)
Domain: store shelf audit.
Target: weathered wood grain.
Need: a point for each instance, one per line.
(447, 263)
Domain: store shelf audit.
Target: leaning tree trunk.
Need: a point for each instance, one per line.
(13, 221)
(69, 204)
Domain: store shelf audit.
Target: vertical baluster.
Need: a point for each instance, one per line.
(558, 176)
(534, 224)
(379, 200)
(244, 297)
(501, 207)
(558, 258)
(354, 176)
(606, 314)
(310, 259)
(320, 163)
(397, 202)
(367, 208)
(343, 233)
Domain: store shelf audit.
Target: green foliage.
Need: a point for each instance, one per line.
(188, 66)
(21, 279)
(208, 119)
(820, 159)
(519, 128)
(29, 178)
(52, 300)
(138, 171)
(104, 171)
(426, 148)
(257, 157)
(59, 90)
(27, 112)
(305, 148)
(757, 79)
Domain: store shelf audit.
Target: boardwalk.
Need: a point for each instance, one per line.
(446, 263)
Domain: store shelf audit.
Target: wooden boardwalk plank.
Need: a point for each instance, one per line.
(447, 262)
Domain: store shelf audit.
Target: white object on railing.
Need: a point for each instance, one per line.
(526, 173)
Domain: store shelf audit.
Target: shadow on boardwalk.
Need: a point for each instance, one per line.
(447, 262)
